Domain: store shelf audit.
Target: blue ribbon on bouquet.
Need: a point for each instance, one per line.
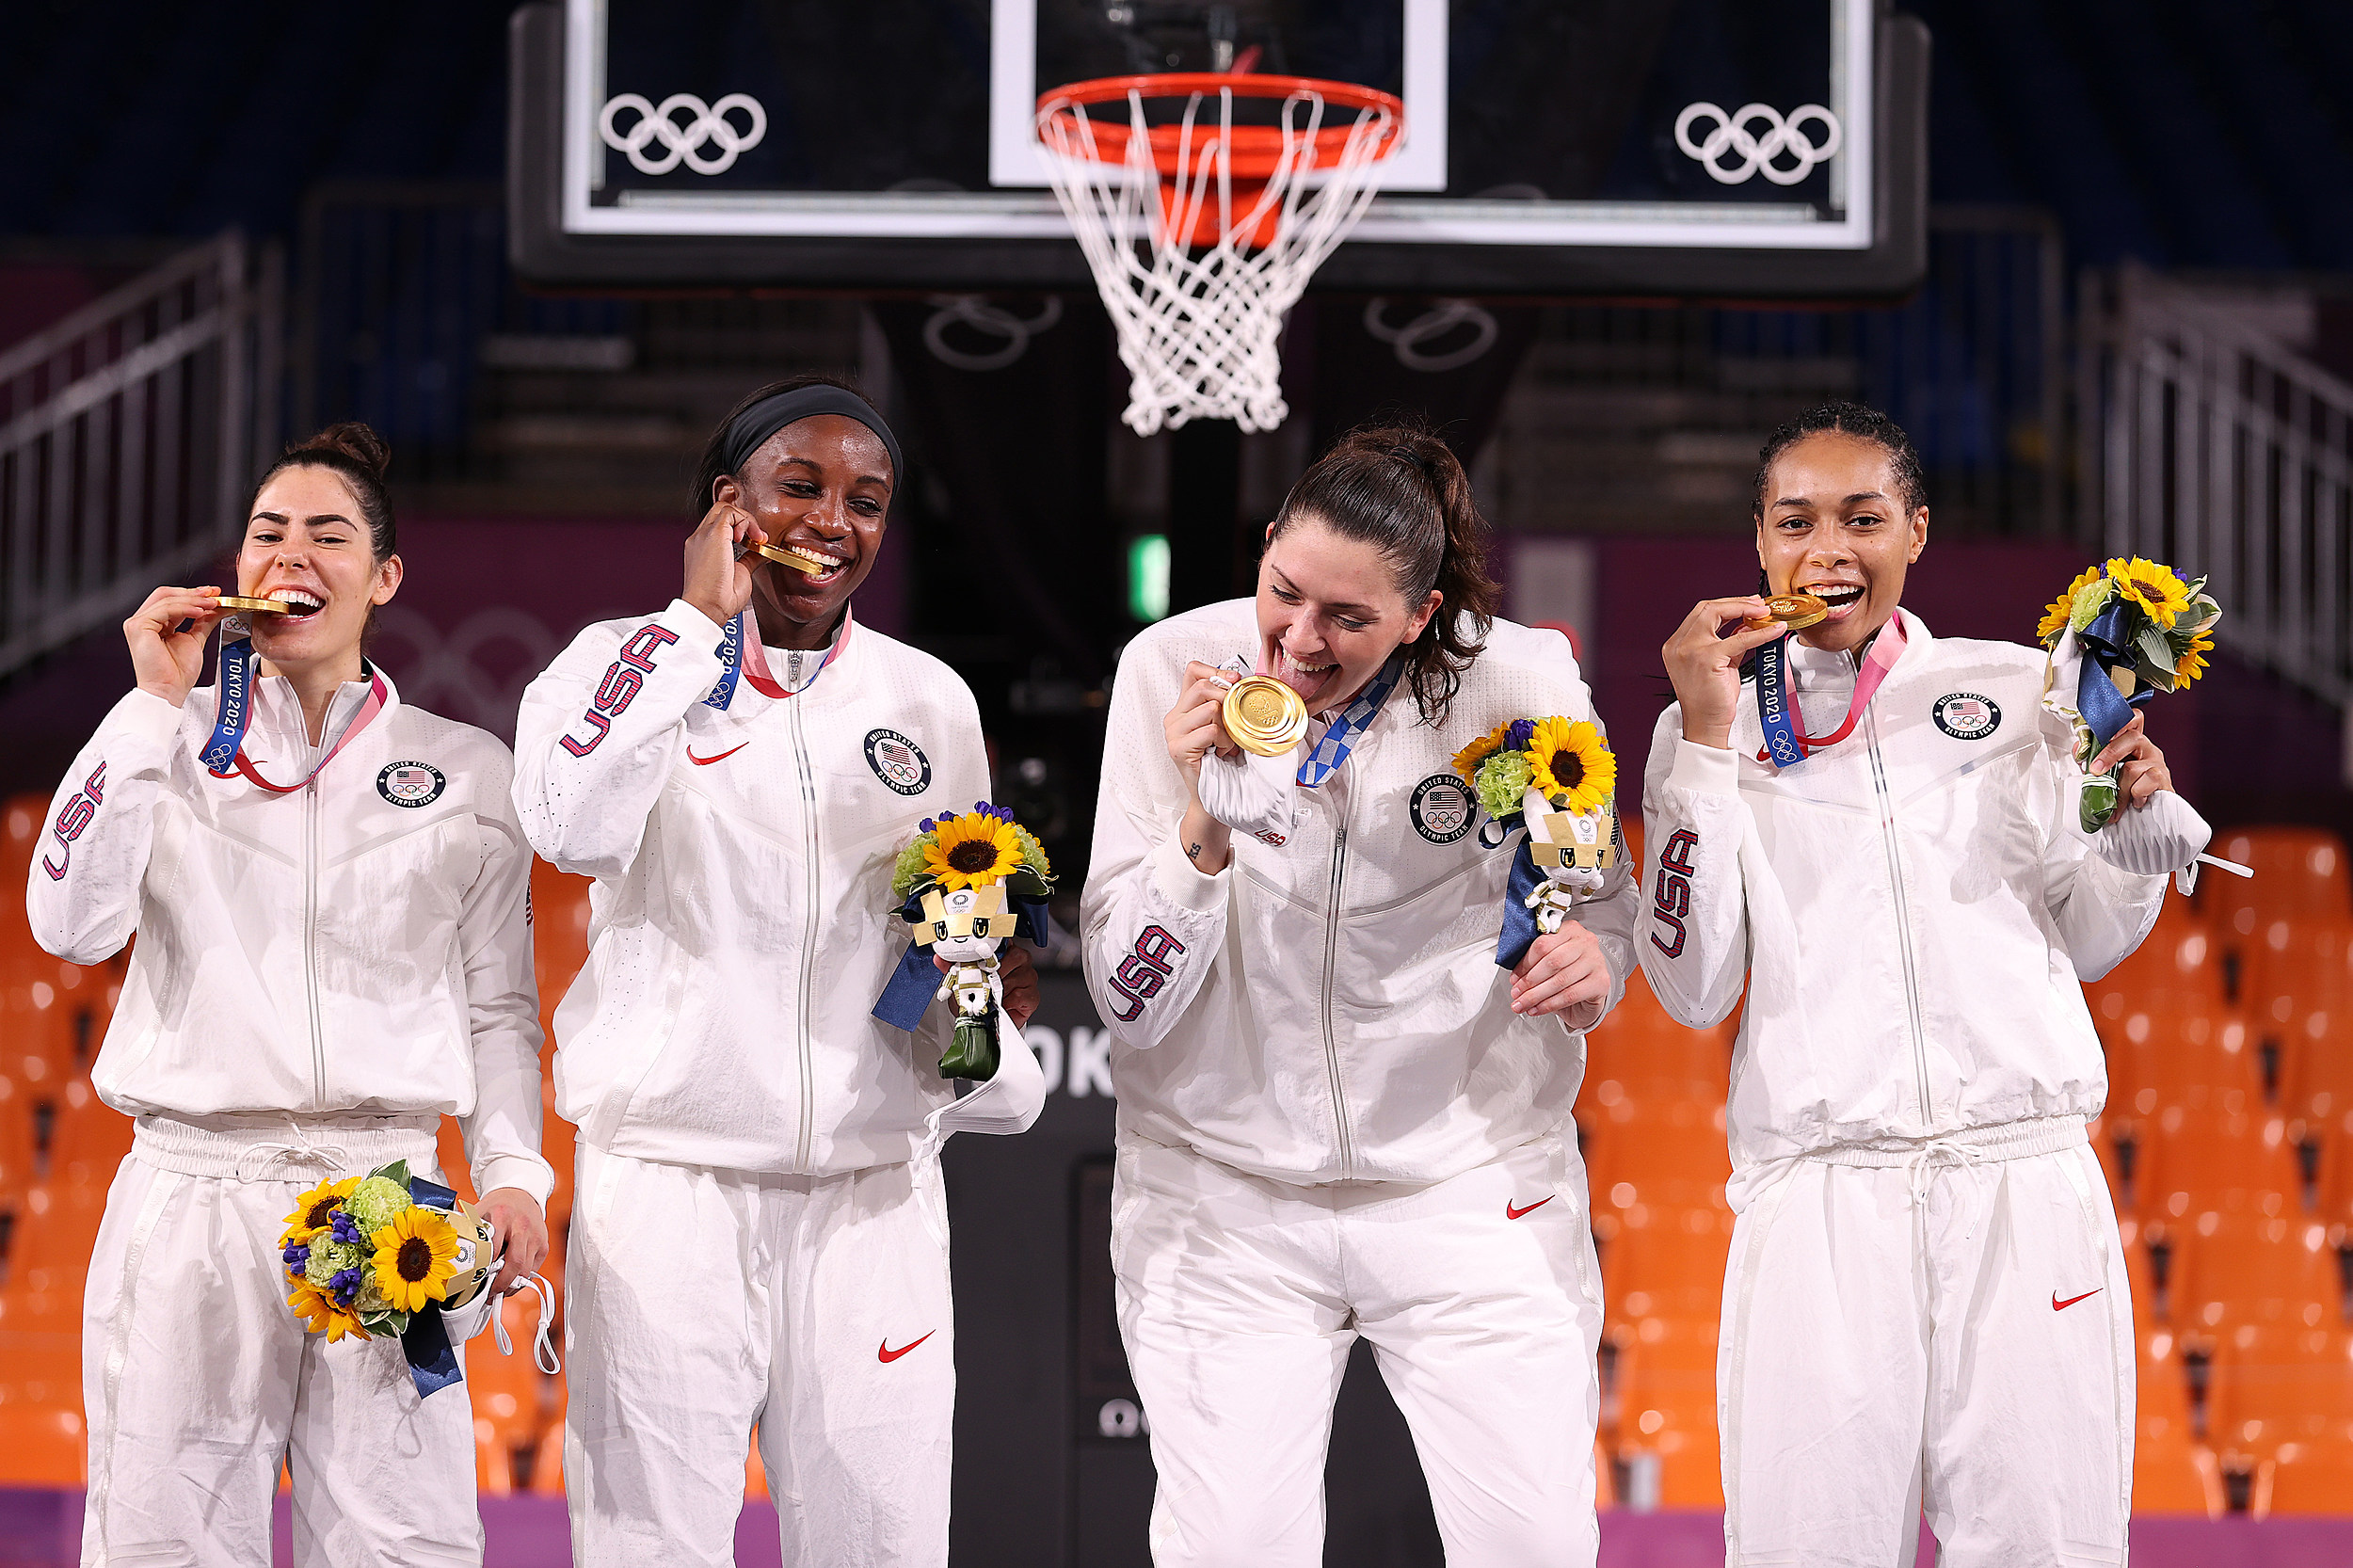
(2105, 645)
(1519, 920)
(913, 984)
(432, 1359)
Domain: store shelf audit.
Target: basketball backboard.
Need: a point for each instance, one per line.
(1725, 147)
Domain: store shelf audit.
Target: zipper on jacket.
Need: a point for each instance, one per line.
(1903, 913)
(1331, 1040)
(311, 918)
(809, 936)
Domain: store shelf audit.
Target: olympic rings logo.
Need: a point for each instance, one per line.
(1756, 154)
(707, 125)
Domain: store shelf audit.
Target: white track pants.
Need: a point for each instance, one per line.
(199, 1380)
(1951, 1329)
(1239, 1299)
(706, 1300)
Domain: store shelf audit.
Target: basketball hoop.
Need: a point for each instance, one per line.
(1202, 236)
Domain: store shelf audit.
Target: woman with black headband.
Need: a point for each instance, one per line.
(760, 1235)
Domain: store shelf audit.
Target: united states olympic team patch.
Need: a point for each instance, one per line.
(410, 783)
(1967, 715)
(898, 762)
(1442, 808)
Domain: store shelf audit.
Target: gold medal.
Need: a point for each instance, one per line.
(1795, 611)
(267, 606)
(1264, 716)
(785, 557)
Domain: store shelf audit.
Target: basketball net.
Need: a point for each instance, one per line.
(1203, 233)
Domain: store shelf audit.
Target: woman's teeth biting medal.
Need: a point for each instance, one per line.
(1794, 611)
(813, 567)
(249, 606)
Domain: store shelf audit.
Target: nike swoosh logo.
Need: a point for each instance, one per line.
(706, 762)
(883, 1352)
(1512, 1213)
(2057, 1305)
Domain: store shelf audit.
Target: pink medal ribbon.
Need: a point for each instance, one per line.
(1778, 701)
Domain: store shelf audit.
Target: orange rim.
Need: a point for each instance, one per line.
(1257, 150)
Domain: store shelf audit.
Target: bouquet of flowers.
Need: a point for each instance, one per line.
(964, 884)
(370, 1255)
(1559, 777)
(2121, 633)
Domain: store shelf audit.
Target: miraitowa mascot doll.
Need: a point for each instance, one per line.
(1557, 778)
(965, 884)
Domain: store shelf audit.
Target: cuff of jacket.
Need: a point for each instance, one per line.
(1710, 770)
(143, 725)
(527, 1171)
(1186, 885)
(696, 631)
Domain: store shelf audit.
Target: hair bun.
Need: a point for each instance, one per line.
(356, 443)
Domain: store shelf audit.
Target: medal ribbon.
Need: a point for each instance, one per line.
(224, 755)
(744, 657)
(1777, 701)
(1324, 757)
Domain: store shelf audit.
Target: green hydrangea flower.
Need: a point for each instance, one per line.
(910, 868)
(1033, 853)
(1502, 780)
(328, 1259)
(2090, 602)
(375, 1203)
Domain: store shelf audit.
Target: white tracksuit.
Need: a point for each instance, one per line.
(1331, 1123)
(758, 1232)
(319, 977)
(1919, 1209)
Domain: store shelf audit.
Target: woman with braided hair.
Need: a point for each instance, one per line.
(1338, 1117)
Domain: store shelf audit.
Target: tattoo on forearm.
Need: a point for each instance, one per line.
(1193, 852)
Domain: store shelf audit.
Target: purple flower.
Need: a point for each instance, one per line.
(347, 1228)
(296, 1257)
(929, 826)
(1520, 732)
(344, 1285)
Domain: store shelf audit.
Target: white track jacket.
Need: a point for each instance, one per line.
(1912, 910)
(739, 933)
(1329, 1008)
(359, 946)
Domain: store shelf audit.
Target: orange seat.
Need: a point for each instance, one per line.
(2249, 1269)
(2299, 872)
(17, 1147)
(50, 1252)
(1666, 1412)
(2311, 1477)
(89, 1137)
(2208, 1147)
(2172, 1471)
(509, 1394)
(2283, 1384)
(43, 1445)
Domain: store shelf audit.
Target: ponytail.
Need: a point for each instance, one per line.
(1401, 489)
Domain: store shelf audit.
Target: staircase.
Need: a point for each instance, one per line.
(128, 434)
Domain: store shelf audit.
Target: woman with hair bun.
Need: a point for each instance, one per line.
(330, 892)
(1337, 1115)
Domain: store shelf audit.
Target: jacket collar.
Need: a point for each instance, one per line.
(278, 712)
(1816, 663)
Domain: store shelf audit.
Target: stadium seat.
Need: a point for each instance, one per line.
(2251, 1268)
(2299, 872)
(89, 1139)
(509, 1392)
(1667, 1408)
(44, 1445)
(2206, 1147)
(2173, 1472)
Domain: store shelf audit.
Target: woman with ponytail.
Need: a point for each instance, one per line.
(330, 892)
(1337, 1115)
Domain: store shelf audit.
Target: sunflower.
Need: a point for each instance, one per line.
(972, 851)
(2152, 586)
(2055, 618)
(1467, 760)
(2193, 661)
(1572, 765)
(320, 1315)
(314, 1211)
(415, 1256)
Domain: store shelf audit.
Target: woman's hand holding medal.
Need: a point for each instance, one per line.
(1196, 727)
(168, 635)
(1705, 662)
(717, 583)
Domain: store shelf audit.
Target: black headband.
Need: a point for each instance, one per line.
(749, 430)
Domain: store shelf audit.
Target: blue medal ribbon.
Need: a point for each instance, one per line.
(235, 712)
(733, 656)
(1324, 757)
(1772, 704)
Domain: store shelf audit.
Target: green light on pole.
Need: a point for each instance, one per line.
(1148, 578)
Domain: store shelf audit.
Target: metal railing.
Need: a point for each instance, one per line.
(2207, 445)
(128, 432)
